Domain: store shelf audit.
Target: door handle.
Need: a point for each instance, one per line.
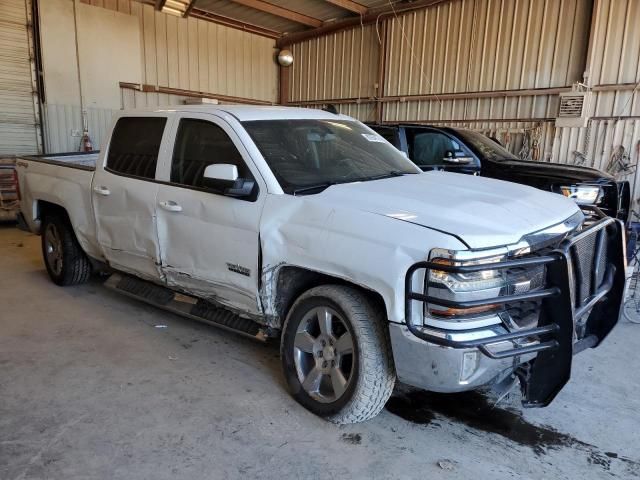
(171, 206)
(102, 190)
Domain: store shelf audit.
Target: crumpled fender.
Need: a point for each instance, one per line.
(366, 249)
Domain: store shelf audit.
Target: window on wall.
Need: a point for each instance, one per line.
(200, 143)
(134, 146)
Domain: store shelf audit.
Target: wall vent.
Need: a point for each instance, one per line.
(574, 109)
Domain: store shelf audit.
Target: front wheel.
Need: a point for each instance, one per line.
(336, 354)
(66, 262)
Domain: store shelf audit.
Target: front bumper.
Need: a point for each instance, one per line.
(579, 306)
(448, 369)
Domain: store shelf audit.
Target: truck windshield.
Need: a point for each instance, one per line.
(484, 146)
(307, 156)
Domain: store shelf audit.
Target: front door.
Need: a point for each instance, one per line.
(435, 150)
(124, 196)
(208, 240)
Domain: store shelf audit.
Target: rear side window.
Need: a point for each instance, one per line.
(388, 133)
(134, 146)
(200, 143)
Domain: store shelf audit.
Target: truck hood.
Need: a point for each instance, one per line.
(553, 171)
(482, 212)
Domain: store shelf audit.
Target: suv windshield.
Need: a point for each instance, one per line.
(311, 155)
(486, 147)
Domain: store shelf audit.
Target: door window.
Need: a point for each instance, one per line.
(200, 143)
(134, 146)
(429, 148)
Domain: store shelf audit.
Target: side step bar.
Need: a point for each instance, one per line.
(185, 305)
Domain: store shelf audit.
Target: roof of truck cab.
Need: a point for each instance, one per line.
(251, 112)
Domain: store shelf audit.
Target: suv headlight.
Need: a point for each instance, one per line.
(582, 194)
(481, 285)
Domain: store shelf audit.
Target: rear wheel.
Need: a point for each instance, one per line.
(336, 354)
(66, 262)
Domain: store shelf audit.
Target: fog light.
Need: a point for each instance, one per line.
(470, 361)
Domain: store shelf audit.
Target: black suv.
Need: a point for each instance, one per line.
(465, 151)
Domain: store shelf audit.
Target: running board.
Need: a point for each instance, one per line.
(185, 305)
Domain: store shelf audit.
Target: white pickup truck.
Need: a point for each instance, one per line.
(309, 226)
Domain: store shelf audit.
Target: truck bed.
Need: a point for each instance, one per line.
(62, 179)
(81, 160)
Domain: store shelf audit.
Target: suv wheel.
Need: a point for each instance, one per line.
(336, 354)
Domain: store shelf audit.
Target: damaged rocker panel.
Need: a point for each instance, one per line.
(186, 306)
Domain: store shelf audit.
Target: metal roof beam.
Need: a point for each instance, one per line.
(349, 5)
(281, 12)
(230, 22)
(372, 16)
(189, 8)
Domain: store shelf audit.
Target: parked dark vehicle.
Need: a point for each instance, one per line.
(465, 151)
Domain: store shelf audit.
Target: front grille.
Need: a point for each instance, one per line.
(583, 255)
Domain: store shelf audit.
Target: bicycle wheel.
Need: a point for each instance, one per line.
(631, 309)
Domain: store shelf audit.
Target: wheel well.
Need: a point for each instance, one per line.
(45, 209)
(294, 281)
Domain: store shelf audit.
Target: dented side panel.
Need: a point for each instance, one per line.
(70, 188)
(363, 248)
(126, 222)
(210, 248)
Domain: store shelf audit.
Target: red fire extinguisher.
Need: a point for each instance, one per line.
(85, 142)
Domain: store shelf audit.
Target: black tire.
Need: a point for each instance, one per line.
(371, 371)
(68, 264)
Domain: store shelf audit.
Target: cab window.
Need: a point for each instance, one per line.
(134, 146)
(200, 143)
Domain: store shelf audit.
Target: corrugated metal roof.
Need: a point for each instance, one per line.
(321, 10)
(249, 15)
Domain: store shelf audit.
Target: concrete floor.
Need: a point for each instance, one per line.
(90, 388)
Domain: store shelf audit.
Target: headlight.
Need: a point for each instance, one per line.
(582, 194)
(480, 285)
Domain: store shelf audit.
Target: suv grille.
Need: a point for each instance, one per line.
(583, 256)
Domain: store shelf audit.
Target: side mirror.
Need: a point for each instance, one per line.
(224, 178)
(449, 157)
(222, 172)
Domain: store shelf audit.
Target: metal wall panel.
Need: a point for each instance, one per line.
(485, 45)
(615, 56)
(343, 65)
(197, 55)
(62, 120)
(18, 119)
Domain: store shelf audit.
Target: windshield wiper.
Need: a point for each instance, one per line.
(324, 185)
(311, 188)
(391, 174)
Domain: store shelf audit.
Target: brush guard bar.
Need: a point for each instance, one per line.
(569, 320)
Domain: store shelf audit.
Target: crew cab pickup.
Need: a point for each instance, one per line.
(308, 226)
(466, 151)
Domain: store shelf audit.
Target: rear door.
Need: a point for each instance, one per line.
(209, 241)
(124, 195)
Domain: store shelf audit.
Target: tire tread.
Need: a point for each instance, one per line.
(377, 371)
